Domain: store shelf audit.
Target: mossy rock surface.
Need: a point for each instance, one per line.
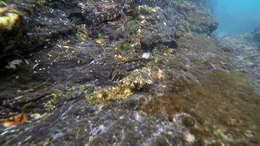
(88, 88)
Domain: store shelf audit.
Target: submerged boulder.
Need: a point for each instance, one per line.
(256, 35)
(28, 26)
(197, 17)
(10, 28)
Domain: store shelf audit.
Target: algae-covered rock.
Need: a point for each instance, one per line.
(244, 53)
(124, 72)
(157, 26)
(198, 17)
(27, 27)
(256, 35)
(7, 22)
(10, 28)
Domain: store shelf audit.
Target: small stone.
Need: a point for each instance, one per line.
(170, 132)
(36, 116)
(91, 138)
(13, 64)
(189, 138)
(99, 95)
(146, 55)
(99, 41)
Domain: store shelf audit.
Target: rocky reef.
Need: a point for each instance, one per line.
(10, 27)
(243, 51)
(119, 72)
(256, 35)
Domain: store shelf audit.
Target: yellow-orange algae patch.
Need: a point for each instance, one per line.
(15, 120)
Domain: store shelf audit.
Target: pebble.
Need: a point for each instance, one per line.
(189, 138)
(146, 55)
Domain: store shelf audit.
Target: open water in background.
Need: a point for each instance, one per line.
(236, 16)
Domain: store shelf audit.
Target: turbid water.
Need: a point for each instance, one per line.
(124, 72)
(236, 16)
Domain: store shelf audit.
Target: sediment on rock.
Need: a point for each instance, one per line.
(123, 72)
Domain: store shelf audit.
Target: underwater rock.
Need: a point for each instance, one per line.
(197, 17)
(115, 72)
(45, 21)
(31, 25)
(10, 28)
(97, 12)
(157, 26)
(256, 35)
(244, 53)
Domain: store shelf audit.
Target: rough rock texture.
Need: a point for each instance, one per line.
(124, 73)
(256, 35)
(244, 52)
(197, 16)
(10, 28)
(39, 25)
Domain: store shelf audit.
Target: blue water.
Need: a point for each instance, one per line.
(237, 16)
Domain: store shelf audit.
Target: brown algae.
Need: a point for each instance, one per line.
(223, 102)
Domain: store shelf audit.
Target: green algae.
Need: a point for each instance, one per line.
(25, 68)
(125, 46)
(131, 25)
(225, 54)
